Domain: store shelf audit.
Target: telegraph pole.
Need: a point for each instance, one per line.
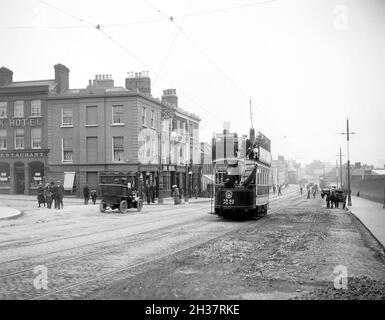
(340, 167)
(347, 140)
(337, 172)
(340, 174)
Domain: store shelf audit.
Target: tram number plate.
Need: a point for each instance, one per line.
(228, 201)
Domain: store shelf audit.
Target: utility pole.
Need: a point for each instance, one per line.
(337, 172)
(340, 173)
(347, 141)
(340, 168)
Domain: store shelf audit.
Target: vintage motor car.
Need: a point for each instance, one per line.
(119, 196)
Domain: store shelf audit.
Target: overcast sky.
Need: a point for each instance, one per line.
(305, 65)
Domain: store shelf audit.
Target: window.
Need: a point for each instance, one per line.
(67, 150)
(3, 139)
(18, 111)
(35, 108)
(117, 114)
(91, 115)
(118, 149)
(143, 116)
(152, 118)
(3, 109)
(92, 149)
(66, 118)
(36, 138)
(19, 138)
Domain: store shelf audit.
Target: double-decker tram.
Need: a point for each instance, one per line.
(241, 173)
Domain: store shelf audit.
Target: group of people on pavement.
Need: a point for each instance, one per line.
(87, 193)
(332, 199)
(50, 193)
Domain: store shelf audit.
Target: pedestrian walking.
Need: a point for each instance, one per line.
(274, 188)
(314, 192)
(328, 200)
(93, 195)
(152, 193)
(301, 190)
(147, 191)
(40, 195)
(279, 190)
(60, 195)
(54, 194)
(48, 195)
(86, 194)
(181, 192)
(308, 193)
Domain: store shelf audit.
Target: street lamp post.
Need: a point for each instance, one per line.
(160, 175)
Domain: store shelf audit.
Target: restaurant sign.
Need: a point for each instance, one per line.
(23, 154)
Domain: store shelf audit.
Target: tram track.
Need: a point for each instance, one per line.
(82, 275)
(163, 217)
(126, 269)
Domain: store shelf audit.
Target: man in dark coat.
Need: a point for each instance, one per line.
(54, 194)
(147, 191)
(60, 195)
(152, 193)
(40, 195)
(86, 194)
(93, 195)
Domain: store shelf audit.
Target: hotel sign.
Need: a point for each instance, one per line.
(23, 154)
(21, 122)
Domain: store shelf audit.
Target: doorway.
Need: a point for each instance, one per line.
(19, 178)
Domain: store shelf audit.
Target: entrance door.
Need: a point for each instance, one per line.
(92, 179)
(19, 182)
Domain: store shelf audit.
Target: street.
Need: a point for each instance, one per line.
(168, 251)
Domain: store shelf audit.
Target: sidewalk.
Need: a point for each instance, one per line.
(372, 215)
(7, 213)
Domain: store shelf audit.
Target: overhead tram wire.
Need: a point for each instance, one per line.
(210, 60)
(196, 14)
(99, 28)
(172, 43)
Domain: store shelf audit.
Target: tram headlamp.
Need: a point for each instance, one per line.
(229, 194)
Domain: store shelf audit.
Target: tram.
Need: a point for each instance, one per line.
(241, 173)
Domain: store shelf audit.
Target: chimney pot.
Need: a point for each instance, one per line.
(5, 76)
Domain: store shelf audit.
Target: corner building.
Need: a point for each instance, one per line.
(23, 131)
(103, 134)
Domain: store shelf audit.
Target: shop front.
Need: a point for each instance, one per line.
(21, 172)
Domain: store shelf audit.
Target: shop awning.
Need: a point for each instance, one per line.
(69, 178)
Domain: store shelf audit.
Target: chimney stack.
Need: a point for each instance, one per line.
(61, 77)
(169, 97)
(139, 81)
(5, 76)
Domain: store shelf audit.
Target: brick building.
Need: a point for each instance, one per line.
(23, 131)
(103, 133)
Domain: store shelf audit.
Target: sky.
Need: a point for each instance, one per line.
(305, 65)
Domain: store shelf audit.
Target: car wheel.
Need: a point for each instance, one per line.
(139, 205)
(102, 206)
(123, 206)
